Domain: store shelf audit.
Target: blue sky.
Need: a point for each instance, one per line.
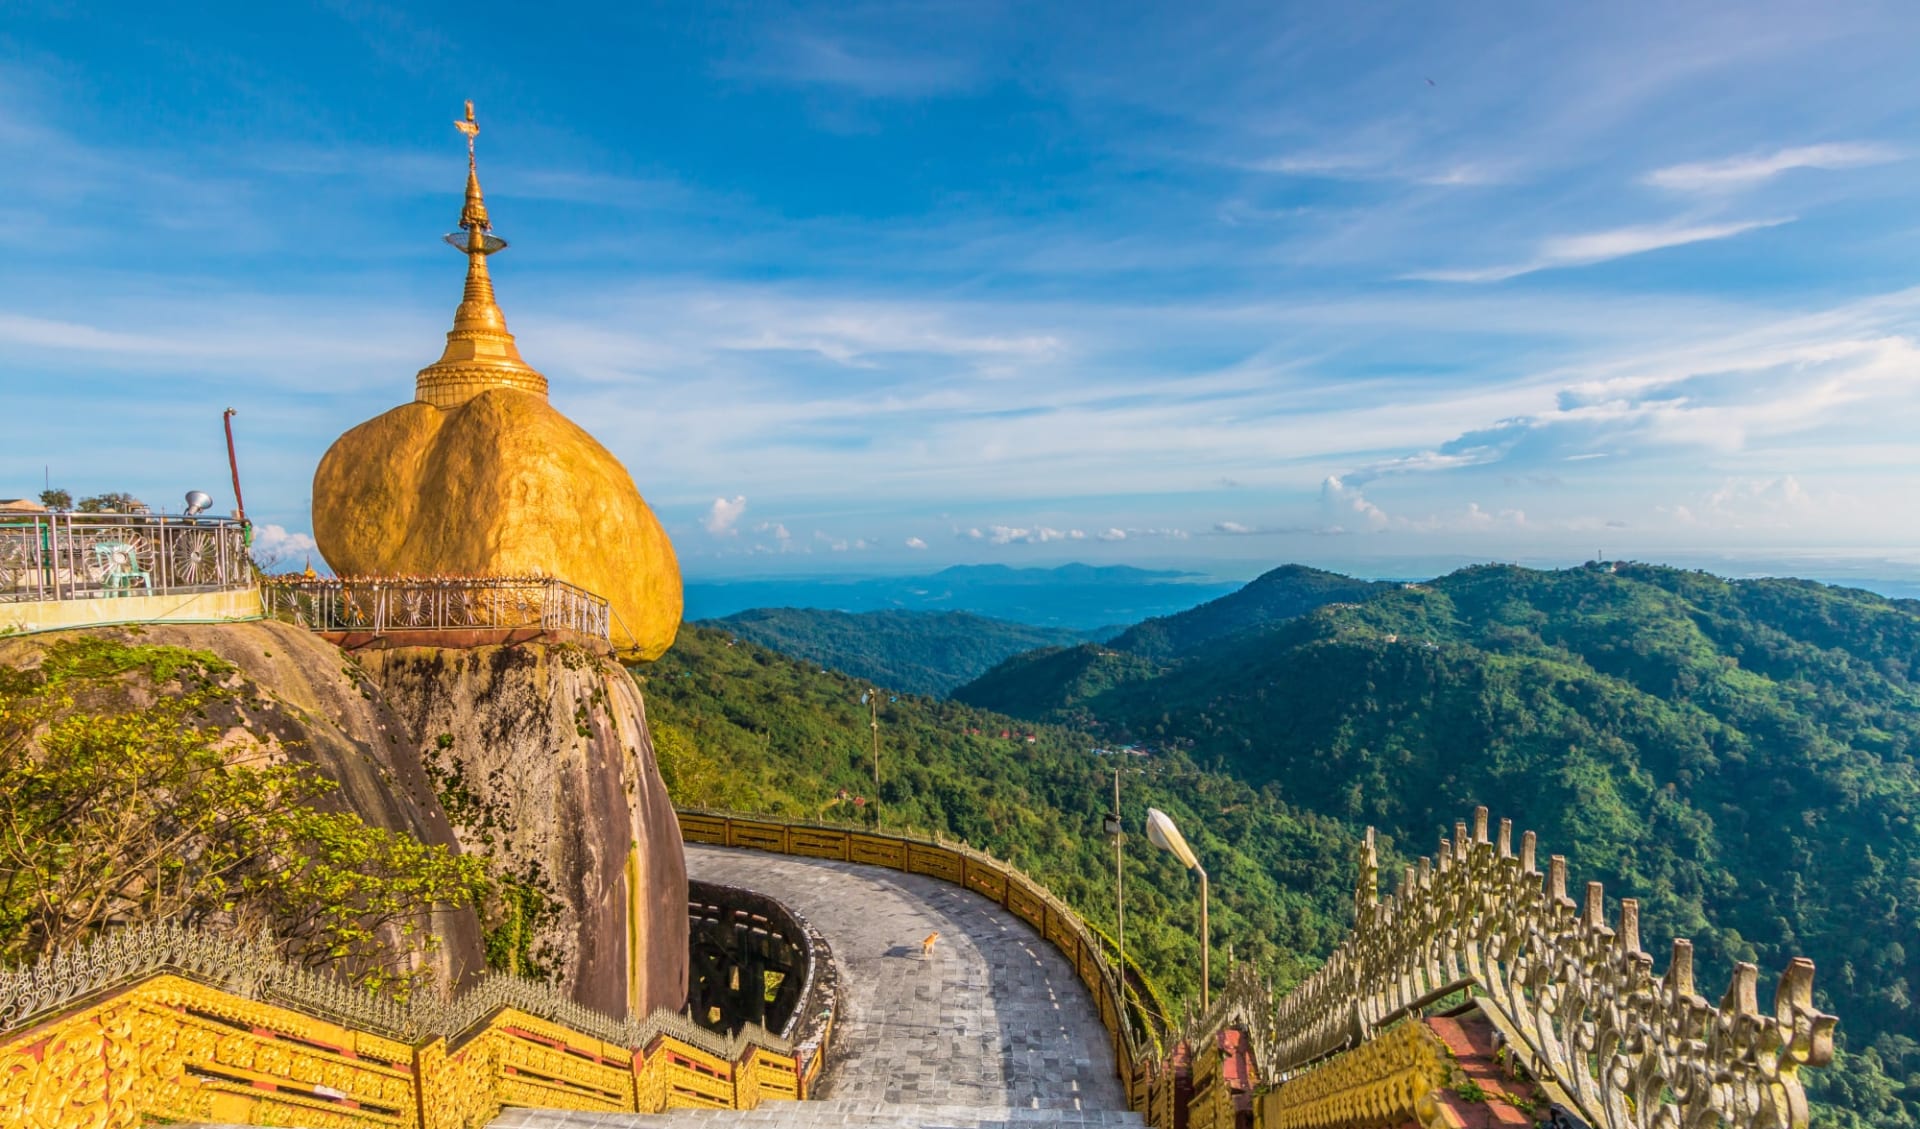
(866, 287)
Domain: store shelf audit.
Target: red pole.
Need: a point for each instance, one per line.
(239, 503)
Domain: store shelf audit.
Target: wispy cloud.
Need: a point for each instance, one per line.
(1742, 172)
(872, 69)
(1381, 167)
(1601, 246)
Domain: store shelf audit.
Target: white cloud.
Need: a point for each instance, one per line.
(1024, 535)
(723, 514)
(284, 549)
(1113, 535)
(1743, 172)
(1231, 527)
(1599, 247)
(1346, 504)
(841, 544)
(1772, 502)
(777, 530)
(916, 543)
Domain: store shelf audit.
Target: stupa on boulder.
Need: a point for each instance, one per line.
(481, 476)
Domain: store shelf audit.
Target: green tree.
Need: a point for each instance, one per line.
(121, 803)
(114, 502)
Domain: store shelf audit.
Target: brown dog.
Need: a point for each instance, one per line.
(926, 946)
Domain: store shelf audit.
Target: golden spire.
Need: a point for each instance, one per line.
(480, 353)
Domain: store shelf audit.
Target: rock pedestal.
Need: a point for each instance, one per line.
(541, 757)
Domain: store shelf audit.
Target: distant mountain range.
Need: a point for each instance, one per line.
(1078, 597)
(912, 651)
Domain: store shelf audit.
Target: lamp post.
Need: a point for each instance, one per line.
(871, 698)
(1162, 832)
(1113, 825)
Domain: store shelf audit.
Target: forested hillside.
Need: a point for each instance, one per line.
(1738, 754)
(918, 652)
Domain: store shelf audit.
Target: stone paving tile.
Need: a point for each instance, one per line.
(995, 1017)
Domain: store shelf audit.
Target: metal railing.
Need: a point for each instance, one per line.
(70, 556)
(426, 603)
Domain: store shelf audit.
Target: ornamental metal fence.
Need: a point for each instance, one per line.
(72, 556)
(427, 603)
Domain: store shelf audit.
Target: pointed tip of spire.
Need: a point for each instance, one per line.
(480, 352)
(473, 216)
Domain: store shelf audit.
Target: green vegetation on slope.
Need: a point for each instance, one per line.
(123, 801)
(1737, 754)
(913, 651)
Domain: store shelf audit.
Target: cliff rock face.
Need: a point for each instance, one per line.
(541, 755)
(309, 702)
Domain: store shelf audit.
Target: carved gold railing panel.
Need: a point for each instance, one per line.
(165, 1023)
(172, 1048)
(1389, 1080)
(1576, 998)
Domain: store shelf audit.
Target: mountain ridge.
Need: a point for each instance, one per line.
(1075, 596)
(919, 652)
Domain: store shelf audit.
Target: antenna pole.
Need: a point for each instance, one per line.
(233, 464)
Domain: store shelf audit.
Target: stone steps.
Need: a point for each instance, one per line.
(829, 1114)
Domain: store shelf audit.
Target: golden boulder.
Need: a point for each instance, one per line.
(481, 476)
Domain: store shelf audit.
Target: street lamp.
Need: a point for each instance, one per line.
(1163, 834)
(1112, 826)
(870, 698)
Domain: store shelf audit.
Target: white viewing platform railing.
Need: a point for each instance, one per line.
(74, 556)
(382, 604)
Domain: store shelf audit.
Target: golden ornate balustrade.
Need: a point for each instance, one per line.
(166, 1023)
(1574, 998)
(1390, 1080)
(169, 1023)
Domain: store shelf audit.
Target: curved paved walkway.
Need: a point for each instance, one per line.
(994, 1018)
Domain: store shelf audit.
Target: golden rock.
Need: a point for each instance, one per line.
(481, 476)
